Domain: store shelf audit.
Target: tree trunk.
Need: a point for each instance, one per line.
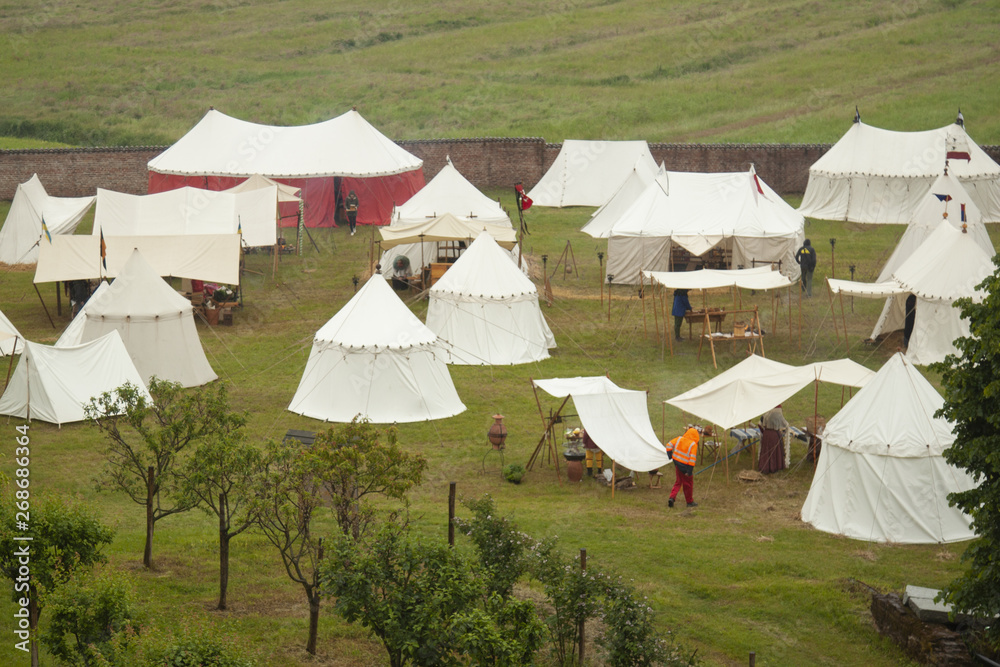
(33, 625)
(313, 621)
(223, 555)
(147, 554)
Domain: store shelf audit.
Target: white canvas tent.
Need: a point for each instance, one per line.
(605, 217)
(11, 340)
(755, 385)
(155, 323)
(286, 193)
(22, 230)
(874, 175)
(488, 310)
(211, 257)
(587, 173)
(949, 264)
(53, 384)
(447, 192)
(698, 212)
(375, 360)
(616, 419)
(881, 476)
(190, 211)
(324, 159)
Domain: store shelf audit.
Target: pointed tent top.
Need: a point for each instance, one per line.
(376, 318)
(449, 192)
(893, 415)
(485, 270)
(960, 120)
(138, 290)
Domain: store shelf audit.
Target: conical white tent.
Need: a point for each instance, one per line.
(53, 384)
(11, 340)
(881, 476)
(605, 217)
(286, 193)
(875, 175)
(447, 192)
(947, 200)
(155, 322)
(375, 360)
(948, 265)
(488, 310)
(698, 212)
(22, 231)
(587, 173)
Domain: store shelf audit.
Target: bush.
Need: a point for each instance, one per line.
(500, 547)
(513, 473)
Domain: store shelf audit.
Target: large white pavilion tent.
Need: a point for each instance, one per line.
(22, 231)
(588, 173)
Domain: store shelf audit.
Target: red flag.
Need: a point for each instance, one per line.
(756, 182)
(523, 201)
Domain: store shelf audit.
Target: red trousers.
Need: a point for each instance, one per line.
(685, 482)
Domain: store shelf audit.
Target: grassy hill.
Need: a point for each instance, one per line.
(773, 71)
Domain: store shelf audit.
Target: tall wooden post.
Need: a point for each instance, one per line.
(451, 514)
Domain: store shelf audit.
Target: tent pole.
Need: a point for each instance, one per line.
(800, 319)
(844, 318)
(46, 308)
(302, 223)
(790, 336)
(614, 477)
(10, 366)
(756, 316)
(816, 414)
(656, 321)
(642, 297)
(836, 329)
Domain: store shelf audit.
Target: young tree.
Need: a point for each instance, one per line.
(425, 603)
(287, 500)
(146, 440)
(358, 460)
(64, 538)
(971, 382)
(221, 478)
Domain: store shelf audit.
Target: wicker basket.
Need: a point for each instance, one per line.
(739, 329)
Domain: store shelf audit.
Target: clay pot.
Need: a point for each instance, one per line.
(497, 433)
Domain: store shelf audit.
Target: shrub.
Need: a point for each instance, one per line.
(500, 547)
(513, 473)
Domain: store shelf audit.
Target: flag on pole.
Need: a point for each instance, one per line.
(45, 229)
(104, 252)
(758, 190)
(523, 201)
(963, 213)
(944, 198)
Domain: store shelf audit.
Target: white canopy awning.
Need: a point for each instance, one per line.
(758, 278)
(616, 419)
(865, 290)
(211, 257)
(755, 385)
(445, 228)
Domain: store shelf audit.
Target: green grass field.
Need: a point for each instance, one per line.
(740, 574)
(772, 71)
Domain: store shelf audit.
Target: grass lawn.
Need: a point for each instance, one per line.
(741, 573)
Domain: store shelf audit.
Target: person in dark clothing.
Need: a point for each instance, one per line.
(351, 206)
(79, 293)
(805, 257)
(681, 306)
(910, 319)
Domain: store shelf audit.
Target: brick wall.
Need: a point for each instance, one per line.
(486, 162)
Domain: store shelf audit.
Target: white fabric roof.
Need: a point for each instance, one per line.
(587, 173)
(616, 419)
(53, 384)
(929, 214)
(11, 340)
(872, 290)
(376, 360)
(22, 230)
(190, 211)
(755, 385)
(450, 192)
(155, 322)
(286, 193)
(487, 309)
(881, 476)
(347, 145)
(605, 217)
(698, 212)
(758, 278)
(445, 227)
(212, 257)
(875, 175)
(73, 333)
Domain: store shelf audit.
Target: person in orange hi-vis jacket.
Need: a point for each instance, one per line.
(684, 451)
